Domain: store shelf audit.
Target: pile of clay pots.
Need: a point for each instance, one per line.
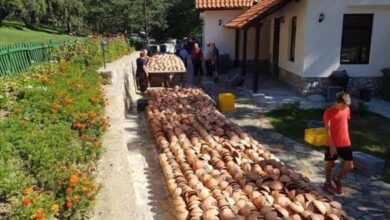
(165, 63)
(214, 170)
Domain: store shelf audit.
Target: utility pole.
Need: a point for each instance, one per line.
(146, 24)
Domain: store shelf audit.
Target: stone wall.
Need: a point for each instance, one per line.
(317, 85)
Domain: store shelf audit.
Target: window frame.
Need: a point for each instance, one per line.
(293, 38)
(369, 41)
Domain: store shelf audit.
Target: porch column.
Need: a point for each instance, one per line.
(244, 61)
(257, 58)
(237, 51)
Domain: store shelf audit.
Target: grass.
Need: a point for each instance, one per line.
(369, 133)
(16, 32)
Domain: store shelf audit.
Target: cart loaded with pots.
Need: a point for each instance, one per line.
(163, 69)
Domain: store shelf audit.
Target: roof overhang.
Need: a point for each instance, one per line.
(256, 13)
(203, 5)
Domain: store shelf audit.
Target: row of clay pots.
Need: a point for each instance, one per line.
(214, 170)
(165, 63)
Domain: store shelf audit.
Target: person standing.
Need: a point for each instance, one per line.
(141, 72)
(207, 58)
(338, 142)
(196, 56)
(215, 61)
(183, 54)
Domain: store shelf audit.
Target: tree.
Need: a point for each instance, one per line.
(108, 15)
(68, 13)
(156, 14)
(31, 11)
(183, 19)
(7, 7)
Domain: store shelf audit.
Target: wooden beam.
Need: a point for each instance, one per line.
(244, 55)
(269, 12)
(257, 59)
(237, 51)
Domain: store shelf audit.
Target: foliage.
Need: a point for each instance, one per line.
(183, 20)
(165, 18)
(32, 11)
(50, 134)
(291, 107)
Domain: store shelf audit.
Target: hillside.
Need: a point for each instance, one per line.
(16, 32)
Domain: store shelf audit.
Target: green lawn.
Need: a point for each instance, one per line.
(368, 133)
(16, 32)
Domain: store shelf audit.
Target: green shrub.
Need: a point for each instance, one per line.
(291, 107)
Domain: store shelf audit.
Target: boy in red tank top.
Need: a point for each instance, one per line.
(338, 144)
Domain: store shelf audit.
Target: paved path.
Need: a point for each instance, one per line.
(133, 185)
(365, 198)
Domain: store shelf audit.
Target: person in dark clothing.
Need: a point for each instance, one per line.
(142, 74)
(208, 59)
(196, 57)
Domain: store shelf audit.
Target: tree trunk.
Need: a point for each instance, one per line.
(69, 25)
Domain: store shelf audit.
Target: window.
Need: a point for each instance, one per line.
(292, 38)
(356, 39)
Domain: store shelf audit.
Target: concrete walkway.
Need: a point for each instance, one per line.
(133, 185)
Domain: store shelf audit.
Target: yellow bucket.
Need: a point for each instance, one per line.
(316, 136)
(226, 102)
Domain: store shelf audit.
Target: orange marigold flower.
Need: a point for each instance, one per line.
(86, 181)
(86, 190)
(28, 190)
(55, 208)
(55, 105)
(79, 126)
(76, 198)
(69, 204)
(27, 201)
(92, 122)
(69, 190)
(92, 115)
(73, 180)
(38, 215)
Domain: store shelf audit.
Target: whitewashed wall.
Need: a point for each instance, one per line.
(323, 40)
(213, 32)
(289, 11)
(225, 38)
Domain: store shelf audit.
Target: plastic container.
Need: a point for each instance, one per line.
(316, 136)
(226, 102)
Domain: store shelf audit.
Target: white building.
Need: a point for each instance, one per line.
(303, 41)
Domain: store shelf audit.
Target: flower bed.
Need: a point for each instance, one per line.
(214, 170)
(51, 121)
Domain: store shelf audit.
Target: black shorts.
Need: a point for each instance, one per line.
(344, 152)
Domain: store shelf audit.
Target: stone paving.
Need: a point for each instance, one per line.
(148, 198)
(364, 197)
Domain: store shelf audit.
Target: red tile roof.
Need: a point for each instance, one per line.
(262, 8)
(223, 4)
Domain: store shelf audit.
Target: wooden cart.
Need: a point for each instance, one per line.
(164, 78)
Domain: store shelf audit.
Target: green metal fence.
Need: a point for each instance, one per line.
(18, 57)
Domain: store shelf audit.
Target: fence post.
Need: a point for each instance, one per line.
(9, 65)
